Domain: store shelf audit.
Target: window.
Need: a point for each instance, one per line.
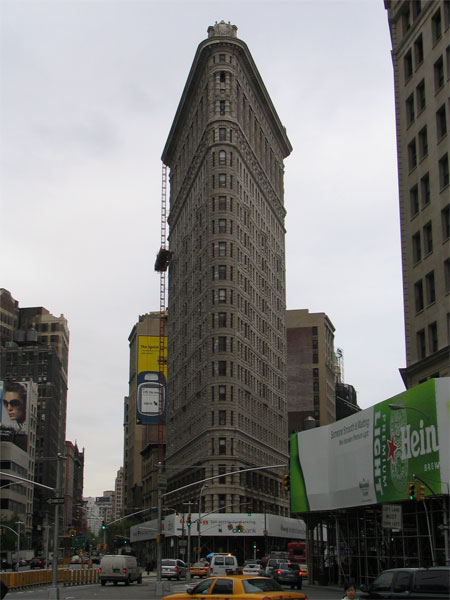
(420, 337)
(222, 157)
(221, 57)
(222, 480)
(441, 122)
(445, 220)
(222, 393)
(416, 247)
(315, 358)
(406, 19)
(438, 74)
(447, 275)
(416, 9)
(222, 107)
(222, 248)
(408, 65)
(412, 155)
(436, 26)
(418, 295)
(222, 81)
(443, 171)
(418, 50)
(420, 96)
(410, 110)
(432, 338)
(222, 319)
(428, 238)
(314, 330)
(222, 367)
(315, 372)
(222, 270)
(423, 143)
(222, 134)
(222, 203)
(430, 288)
(222, 180)
(222, 343)
(222, 446)
(425, 189)
(222, 225)
(222, 295)
(414, 200)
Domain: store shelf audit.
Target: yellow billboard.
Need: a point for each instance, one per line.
(151, 381)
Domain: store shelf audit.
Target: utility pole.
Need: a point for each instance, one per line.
(54, 590)
(189, 522)
(159, 587)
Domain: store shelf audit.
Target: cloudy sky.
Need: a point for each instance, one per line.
(89, 89)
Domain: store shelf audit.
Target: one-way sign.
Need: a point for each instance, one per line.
(55, 500)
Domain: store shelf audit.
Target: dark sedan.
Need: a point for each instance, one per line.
(289, 574)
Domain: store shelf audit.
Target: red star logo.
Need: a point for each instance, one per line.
(392, 449)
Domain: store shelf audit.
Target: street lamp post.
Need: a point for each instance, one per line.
(199, 522)
(54, 590)
(18, 523)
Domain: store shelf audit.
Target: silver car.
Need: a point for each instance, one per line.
(173, 568)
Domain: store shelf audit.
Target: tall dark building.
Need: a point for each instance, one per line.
(37, 351)
(226, 406)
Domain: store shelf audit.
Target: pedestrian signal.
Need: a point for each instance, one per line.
(420, 495)
(411, 490)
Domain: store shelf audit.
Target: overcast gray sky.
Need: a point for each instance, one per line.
(89, 89)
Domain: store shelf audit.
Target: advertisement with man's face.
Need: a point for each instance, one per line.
(14, 406)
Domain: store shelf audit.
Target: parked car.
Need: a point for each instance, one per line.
(199, 569)
(409, 583)
(173, 568)
(252, 569)
(36, 563)
(305, 570)
(288, 573)
(242, 586)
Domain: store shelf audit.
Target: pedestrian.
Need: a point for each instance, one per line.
(350, 590)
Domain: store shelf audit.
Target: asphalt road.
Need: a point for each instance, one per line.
(140, 592)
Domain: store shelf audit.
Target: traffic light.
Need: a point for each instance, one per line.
(73, 532)
(254, 545)
(411, 490)
(189, 520)
(103, 525)
(420, 495)
(239, 528)
(285, 482)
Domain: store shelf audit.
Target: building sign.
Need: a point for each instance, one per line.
(223, 525)
(151, 383)
(391, 516)
(371, 456)
(15, 406)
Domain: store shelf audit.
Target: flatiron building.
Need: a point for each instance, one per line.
(226, 408)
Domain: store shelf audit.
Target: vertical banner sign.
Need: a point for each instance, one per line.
(150, 381)
(371, 456)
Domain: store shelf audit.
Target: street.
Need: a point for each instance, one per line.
(145, 591)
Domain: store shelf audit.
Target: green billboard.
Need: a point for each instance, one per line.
(371, 456)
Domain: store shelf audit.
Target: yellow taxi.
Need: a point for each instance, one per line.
(199, 569)
(240, 586)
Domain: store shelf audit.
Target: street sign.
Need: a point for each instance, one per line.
(55, 500)
(391, 516)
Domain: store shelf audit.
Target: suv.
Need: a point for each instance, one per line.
(272, 564)
(411, 583)
(173, 568)
(289, 574)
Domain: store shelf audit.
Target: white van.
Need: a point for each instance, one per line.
(223, 564)
(119, 567)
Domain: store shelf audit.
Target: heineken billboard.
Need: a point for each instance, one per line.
(371, 456)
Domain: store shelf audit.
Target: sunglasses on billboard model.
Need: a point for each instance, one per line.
(12, 403)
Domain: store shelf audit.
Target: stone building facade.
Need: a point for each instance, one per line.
(421, 59)
(226, 317)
